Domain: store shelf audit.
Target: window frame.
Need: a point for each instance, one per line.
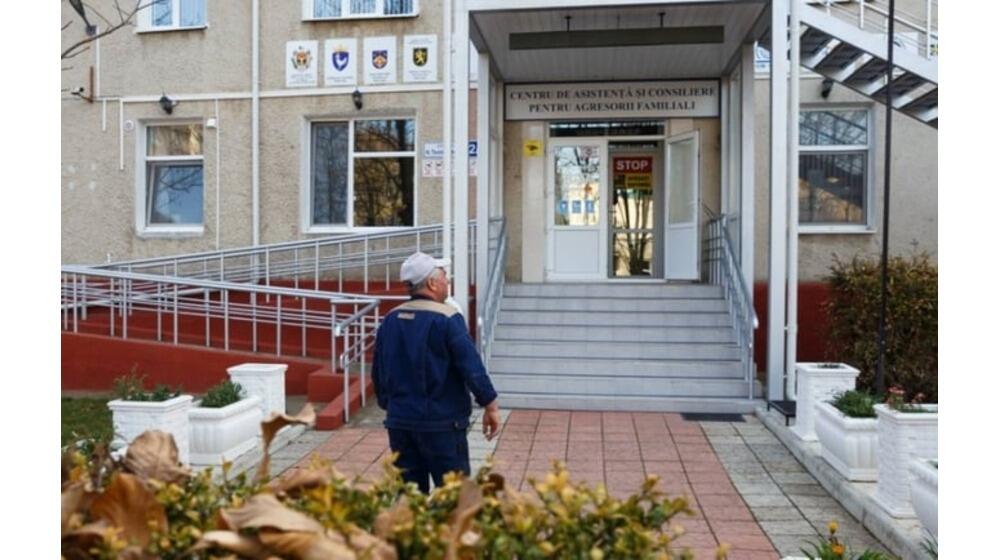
(306, 168)
(144, 20)
(867, 226)
(308, 5)
(143, 227)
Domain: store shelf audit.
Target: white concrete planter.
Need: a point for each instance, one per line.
(924, 493)
(223, 434)
(266, 381)
(850, 445)
(132, 418)
(902, 437)
(818, 382)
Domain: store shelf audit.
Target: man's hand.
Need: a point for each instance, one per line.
(491, 420)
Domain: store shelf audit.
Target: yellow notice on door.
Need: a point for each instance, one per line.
(532, 148)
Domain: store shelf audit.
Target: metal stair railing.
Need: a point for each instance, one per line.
(350, 318)
(356, 256)
(919, 32)
(489, 309)
(725, 271)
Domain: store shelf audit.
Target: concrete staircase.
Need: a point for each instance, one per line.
(620, 346)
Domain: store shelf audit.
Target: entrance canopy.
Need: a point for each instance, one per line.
(646, 42)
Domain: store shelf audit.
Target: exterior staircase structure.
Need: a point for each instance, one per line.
(846, 42)
(618, 346)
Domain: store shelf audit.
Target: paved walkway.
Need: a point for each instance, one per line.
(745, 488)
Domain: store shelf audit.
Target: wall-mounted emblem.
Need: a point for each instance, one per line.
(380, 52)
(380, 58)
(300, 64)
(420, 58)
(341, 62)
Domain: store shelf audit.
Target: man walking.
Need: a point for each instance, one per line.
(424, 369)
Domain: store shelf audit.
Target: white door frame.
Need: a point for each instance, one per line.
(695, 135)
(550, 209)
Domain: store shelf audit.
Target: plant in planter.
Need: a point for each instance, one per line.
(136, 410)
(817, 382)
(907, 430)
(924, 493)
(224, 424)
(847, 430)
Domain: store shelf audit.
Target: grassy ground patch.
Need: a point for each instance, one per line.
(85, 417)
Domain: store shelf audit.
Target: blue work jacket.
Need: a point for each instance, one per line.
(425, 365)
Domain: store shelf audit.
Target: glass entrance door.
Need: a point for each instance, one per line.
(634, 186)
(577, 230)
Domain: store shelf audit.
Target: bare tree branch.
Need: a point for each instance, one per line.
(67, 24)
(126, 19)
(77, 53)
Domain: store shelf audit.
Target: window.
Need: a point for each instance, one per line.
(165, 15)
(834, 158)
(362, 173)
(174, 178)
(344, 9)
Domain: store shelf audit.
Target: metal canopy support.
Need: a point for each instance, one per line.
(748, 191)
(484, 177)
(778, 201)
(460, 177)
(791, 333)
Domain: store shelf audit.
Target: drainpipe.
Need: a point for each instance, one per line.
(792, 310)
(255, 125)
(446, 118)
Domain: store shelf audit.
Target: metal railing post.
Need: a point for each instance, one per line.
(126, 306)
(83, 289)
(366, 265)
(303, 327)
(111, 304)
(208, 322)
(278, 321)
(176, 315)
(316, 268)
(76, 317)
(225, 319)
(253, 320)
(340, 268)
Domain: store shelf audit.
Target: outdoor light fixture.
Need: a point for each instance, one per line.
(356, 97)
(168, 104)
(826, 88)
(78, 6)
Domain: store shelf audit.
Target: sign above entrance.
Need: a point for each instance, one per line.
(686, 99)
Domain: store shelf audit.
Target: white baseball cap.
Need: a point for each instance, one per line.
(418, 266)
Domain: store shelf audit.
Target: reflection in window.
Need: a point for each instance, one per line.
(832, 188)
(398, 7)
(190, 13)
(578, 186)
(175, 193)
(326, 8)
(329, 173)
(833, 166)
(383, 191)
(633, 253)
(359, 7)
(394, 135)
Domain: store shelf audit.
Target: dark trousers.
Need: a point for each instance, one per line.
(423, 454)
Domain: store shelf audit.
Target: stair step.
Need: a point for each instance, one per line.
(617, 386)
(631, 305)
(615, 291)
(838, 59)
(869, 72)
(617, 350)
(638, 404)
(620, 333)
(901, 85)
(630, 367)
(612, 318)
(813, 40)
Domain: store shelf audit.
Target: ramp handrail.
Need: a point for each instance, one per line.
(489, 310)
(725, 271)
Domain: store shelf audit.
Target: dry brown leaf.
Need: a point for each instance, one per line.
(494, 483)
(300, 479)
(264, 511)
(72, 502)
(245, 546)
(387, 521)
(470, 500)
(154, 455)
(270, 427)
(130, 506)
(134, 553)
(306, 545)
(76, 544)
(369, 546)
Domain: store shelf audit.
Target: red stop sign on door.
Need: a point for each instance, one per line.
(633, 164)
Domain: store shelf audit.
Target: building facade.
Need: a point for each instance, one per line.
(615, 132)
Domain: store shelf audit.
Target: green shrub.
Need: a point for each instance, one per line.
(911, 321)
(223, 394)
(855, 404)
(831, 548)
(130, 388)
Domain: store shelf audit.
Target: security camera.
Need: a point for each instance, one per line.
(78, 90)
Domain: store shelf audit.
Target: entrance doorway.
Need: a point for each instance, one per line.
(622, 202)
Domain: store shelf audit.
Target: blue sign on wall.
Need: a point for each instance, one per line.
(577, 207)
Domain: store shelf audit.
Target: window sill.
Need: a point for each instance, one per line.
(362, 16)
(168, 29)
(181, 232)
(836, 230)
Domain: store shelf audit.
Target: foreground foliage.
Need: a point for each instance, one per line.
(148, 506)
(831, 548)
(911, 321)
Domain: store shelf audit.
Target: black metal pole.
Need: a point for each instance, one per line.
(880, 372)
